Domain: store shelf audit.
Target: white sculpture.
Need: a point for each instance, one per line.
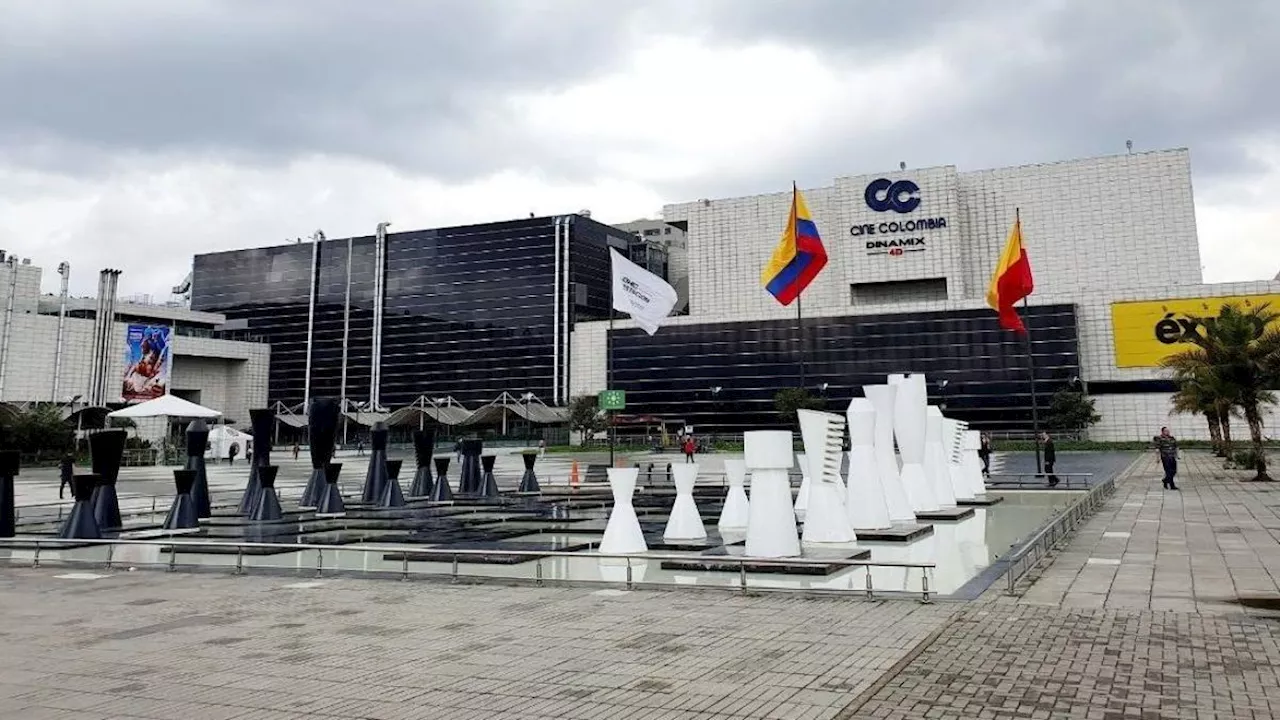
(972, 464)
(826, 520)
(736, 511)
(895, 496)
(622, 534)
(935, 459)
(909, 411)
(771, 529)
(952, 440)
(802, 497)
(865, 498)
(684, 522)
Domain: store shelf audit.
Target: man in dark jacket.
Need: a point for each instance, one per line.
(1050, 457)
(67, 467)
(1167, 447)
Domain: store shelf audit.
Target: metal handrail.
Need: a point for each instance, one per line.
(174, 545)
(1037, 479)
(1050, 535)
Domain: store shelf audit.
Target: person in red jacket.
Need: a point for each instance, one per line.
(689, 447)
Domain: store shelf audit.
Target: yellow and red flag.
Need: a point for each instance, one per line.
(1011, 281)
(799, 256)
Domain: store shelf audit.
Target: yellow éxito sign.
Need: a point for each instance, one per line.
(1147, 332)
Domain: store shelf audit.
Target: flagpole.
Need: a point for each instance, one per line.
(1031, 365)
(609, 378)
(795, 192)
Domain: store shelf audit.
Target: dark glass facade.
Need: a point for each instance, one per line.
(468, 312)
(723, 376)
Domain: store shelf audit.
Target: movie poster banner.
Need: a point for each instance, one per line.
(147, 362)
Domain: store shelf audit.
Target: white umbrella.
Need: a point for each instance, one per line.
(166, 406)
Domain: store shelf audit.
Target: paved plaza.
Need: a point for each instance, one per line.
(1177, 623)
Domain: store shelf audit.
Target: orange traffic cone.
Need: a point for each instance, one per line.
(573, 475)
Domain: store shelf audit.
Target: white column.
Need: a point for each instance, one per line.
(802, 497)
(737, 509)
(972, 464)
(771, 529)
(882, 399)
(952, 439)
(935, 461)
(622, 534)
(826, 520)
(909, 411)
(865, 499)
(684, 523)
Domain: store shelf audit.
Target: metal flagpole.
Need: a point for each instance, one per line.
(609, 377)
(1031, 363)
(799, 314)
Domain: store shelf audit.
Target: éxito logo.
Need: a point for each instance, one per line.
(902, 196)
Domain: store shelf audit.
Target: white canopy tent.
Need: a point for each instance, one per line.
(166, 406)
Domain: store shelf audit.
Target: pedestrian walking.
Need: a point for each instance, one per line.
(984, 452)
(542, 447)
(231, 454)
(689, 448)
(1050, 457)
(1167, 448)
(67, 468)
(359, 448)
(296, 449)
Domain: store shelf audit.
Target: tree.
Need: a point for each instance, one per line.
(1201, 391)
(1071, 410)
(788, 400)
(585, 416)
(40, 431)
(1240, 350)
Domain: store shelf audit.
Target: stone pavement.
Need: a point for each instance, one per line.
(1208, 548)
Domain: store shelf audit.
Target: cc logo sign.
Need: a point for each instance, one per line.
(902, 196)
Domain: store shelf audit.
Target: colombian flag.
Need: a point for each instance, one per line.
(1011, 281)
(799, 256)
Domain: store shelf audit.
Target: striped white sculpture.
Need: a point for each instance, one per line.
(771, 529)
(826, 520)
(864, 500)
(972, 464)
(935, 459)
(684, 523)
(802, 497)
(952, 441)
(895, 496)
(737, 509)
(909, 411)
(622, 534)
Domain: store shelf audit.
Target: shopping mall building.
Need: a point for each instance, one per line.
(519, 309)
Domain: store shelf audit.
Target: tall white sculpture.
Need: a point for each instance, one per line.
(771, 530)
(952, 440)
(802, 497)
(972, 464)
(736, 511)
(882, 398)
(909, 412)
(622, 534)
(935, 459)
(826, 520)
(864, 500)
(684, 523)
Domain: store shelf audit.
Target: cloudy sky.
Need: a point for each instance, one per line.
(134, 133)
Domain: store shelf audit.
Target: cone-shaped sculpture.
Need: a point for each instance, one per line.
(488, 485)
(771, 530)
(424, 443)
(864, 499)
(826, 521)
(107, 449)
(197, 444)
(935, 459)
(802, 497)
(737, 509)
(685, 522)
(470, 478)
(375, 478)
(441, 492)
(622, 534)
(952, 441)
(330, 502)
(182, 514)
(9, 464)
(910, 410)
(268, 504)
(391, 495)
(895, 497)
(972, 464)
(529, 481)
(263, 421)
(322, 425)
(80, 524)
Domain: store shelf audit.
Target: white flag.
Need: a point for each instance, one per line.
(639, 293)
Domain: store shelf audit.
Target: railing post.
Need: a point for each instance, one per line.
(173, 558)
(628, 572)
(239, 560)
(111, 547)
(454, 579)
(319, 563)
(404, 566)
(869, 589)
(538, 572)
(742, 573)
(924, 585)
(35, 559)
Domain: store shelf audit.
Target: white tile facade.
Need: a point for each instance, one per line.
(1096, 230)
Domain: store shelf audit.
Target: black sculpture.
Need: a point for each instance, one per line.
(441, 491)
(197, 444)
(266, 505)
(375, 479)
(469, 483)
(9, 465)
(80, 524)
(391, 495)
(330, 502)
(182, 514)
(424, 442)
(488, 485)
(393, 469)
(263, 420)
(529, 481)
(107, 449)
(322, 424)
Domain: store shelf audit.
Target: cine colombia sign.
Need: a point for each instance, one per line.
(1147, 332)
(900, 197)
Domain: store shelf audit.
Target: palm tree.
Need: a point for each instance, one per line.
(1240, 350)
(1202, 392)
